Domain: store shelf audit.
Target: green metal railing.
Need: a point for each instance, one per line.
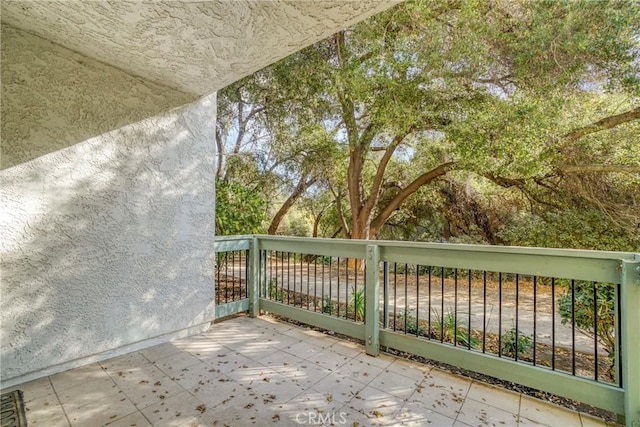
(398, 294)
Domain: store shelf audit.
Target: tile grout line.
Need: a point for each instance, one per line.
(59, 401)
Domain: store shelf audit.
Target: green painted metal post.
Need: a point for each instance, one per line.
(630, 318)
(372, 308)
(254, 286)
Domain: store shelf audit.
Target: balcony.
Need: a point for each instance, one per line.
(560, 321)
(261, 371)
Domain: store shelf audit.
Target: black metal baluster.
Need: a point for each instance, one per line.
(573, 327)
(484, 311)
(500, 314)
(330, 285)
(246, 272)
(346, 291)
(385, 292)
(595, 331)
(469, 324)
(553, 323)
(322, 290)
(535, 313)
(429, 311)
(517, 295)
(226, 278)
(618, 327)
(455, 307)
(338, 290)
(395, 285)
(442, 304)
(288, 277)
(233, 276)
(308, 296)
(417, 300)
(355, 290)
(217, 284)
(406, 283)
(315, 284)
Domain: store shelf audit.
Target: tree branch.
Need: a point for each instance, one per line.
(343, 220)
(600, 125)
(374, 195)
(402, 195)
(598, 168)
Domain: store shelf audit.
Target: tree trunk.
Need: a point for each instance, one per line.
(302, 186)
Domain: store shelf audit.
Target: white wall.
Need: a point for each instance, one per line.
(107, 200)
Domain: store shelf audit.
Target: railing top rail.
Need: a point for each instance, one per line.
(572, 253)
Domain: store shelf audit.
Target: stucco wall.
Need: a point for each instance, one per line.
(194, 46)
(107, 244)
(53, 98)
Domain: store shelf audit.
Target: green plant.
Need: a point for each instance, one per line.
(515, 341)
(275, 292)
(410, 325)
(357, 303)
(327, 305)
(447, 325)
(586, 316)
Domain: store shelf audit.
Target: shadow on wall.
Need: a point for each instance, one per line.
(108, 242)
(53, 98)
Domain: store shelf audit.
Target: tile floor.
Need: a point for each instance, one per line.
(246, 372)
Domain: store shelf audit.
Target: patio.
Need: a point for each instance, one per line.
(258, 371)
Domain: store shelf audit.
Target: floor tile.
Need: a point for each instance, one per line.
(279, 360)
(181, 409)
(77, 376)
(87, 392)
(132, 420)
(262, 372)
(160, 351)
(374, 403)
(49, 415)
(547, 414)
(397, 385)
(329, 359)
(359, 370)
(32, 389)
(339, 387)
(416, 415)
(589, 421)
(477, 413)
(438, 399)
(107, 408)
(499, 398)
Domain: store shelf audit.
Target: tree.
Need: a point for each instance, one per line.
(432, 87)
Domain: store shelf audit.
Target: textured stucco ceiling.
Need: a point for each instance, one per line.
(195, 47)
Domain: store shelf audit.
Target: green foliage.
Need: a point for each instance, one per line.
(491, 89)
(570, 228)
(239, 209)
(275, 292)
(515, 341)
(328, 305)
(448, 326)
(357, 303)
(586, 316)
(412, 326)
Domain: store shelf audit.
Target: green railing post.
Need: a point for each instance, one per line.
(630, 325)
(372, 308)
(254, 286)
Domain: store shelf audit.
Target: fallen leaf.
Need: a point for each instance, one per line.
(201, 408)
(378, 414)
